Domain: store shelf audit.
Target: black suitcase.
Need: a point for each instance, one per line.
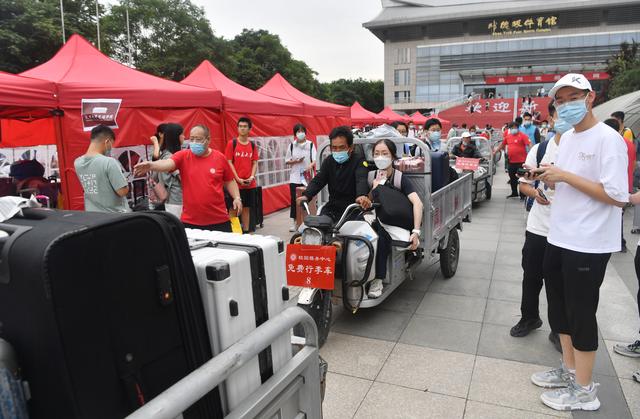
(256, 215)
(103, 310)
(439, 170)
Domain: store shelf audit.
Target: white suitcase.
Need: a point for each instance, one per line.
(243, 284)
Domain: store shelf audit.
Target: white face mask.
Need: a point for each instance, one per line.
(382, 162)
(301, 136)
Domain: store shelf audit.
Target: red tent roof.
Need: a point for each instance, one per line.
(279, 87)
(418, 118)
(25, 92)
(390, 116)
(81, 72)
(237, 98)
(360, 115)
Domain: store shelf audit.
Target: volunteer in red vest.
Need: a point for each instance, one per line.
(242, 155)
(516, 143)
(204, 172)
(590, 181)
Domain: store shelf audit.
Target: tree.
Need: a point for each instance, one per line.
(260, 54)
(370, 94)
(624, 71)
(31, 31)
(169, 38)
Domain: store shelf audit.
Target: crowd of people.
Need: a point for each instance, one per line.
(574, 172)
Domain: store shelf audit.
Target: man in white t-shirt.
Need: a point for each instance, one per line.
(591, 187)
(538, 220)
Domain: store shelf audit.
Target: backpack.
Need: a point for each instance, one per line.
(397, 209)
(235, 144)
(542, 149)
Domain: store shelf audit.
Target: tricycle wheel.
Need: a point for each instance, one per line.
(320, 309)
(450, 254)
(487, 190)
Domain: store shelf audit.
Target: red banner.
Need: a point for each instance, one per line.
(540, 78)
(466, 163)
(311, 266)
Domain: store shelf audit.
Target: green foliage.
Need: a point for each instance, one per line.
(624, 70)
(625, 82)
(169, 38)
(30, 30)
(370, 94)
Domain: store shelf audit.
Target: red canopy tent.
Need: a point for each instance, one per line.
(418, 119)
(388, 115)
(321, 115)
(360, 115)
(271, 117)
(81, 72)
(26, 111)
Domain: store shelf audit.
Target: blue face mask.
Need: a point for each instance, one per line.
(340, 156)
(560, 126)
(197, 148)
(434, 137)
(573, 112)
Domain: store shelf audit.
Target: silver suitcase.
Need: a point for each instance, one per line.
(243, 284)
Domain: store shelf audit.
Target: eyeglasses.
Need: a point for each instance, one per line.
(197, 140)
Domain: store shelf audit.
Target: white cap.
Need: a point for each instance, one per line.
(466, 134)
(578, 81)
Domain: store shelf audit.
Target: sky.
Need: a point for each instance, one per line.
(326, 34)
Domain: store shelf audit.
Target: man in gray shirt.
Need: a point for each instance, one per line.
(105, 187)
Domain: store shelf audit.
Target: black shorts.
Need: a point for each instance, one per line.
(572, 281)
(223, 227)
(248, 197)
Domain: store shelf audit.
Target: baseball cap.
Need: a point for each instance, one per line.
(466, 134)
(578, 81)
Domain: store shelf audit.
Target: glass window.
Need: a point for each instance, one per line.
(401, 77)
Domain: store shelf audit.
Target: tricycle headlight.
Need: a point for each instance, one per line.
(312, 236)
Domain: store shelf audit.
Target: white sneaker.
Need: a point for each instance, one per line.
(293, 227)
(375, 289)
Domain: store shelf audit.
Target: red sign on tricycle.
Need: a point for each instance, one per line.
(467, 163)
(311, 266)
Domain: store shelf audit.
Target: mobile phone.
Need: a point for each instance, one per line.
(523, 171)
(542, 195)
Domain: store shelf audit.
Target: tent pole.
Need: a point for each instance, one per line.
(62, 159)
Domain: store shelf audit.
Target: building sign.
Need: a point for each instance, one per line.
(540, 78)
(527, 24)
(100, 112)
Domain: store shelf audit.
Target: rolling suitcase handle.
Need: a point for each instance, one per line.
(8, 235)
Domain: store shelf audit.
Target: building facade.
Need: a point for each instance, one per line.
(437, 52)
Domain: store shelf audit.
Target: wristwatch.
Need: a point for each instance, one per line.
(417, 232)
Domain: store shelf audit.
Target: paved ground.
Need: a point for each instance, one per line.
(441, 348)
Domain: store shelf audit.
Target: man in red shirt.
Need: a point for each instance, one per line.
(242, 155)
(204, 172)
(517, 144)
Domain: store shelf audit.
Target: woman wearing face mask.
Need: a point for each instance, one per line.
(300, 158)
(173, 139)
(384, 152)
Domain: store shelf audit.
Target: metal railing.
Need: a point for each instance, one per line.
(300, 376)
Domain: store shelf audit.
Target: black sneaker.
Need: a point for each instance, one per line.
(524, 327)
(512, 196)
(555, 339)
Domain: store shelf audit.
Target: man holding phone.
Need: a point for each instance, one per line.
(242, 155)
(537, 230)
(591, 187)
